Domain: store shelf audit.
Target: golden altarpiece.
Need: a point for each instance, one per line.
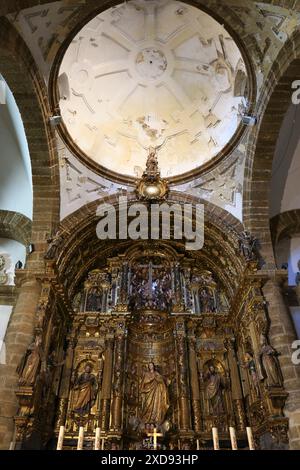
(153, 339)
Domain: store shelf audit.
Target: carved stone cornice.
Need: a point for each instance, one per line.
(27, 277)
(8, 295)
(277, 275)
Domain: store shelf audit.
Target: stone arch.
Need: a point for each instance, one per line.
(285, 224)
(285, 229)
(21, 74)
(272, 106)
(15, 226)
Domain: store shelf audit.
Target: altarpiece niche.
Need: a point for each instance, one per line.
(155, 345)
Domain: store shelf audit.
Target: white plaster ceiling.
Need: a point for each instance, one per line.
(152, 73)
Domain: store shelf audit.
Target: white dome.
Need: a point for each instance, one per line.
(152, 74)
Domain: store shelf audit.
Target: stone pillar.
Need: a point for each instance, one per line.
(282, 335)
(194, 384)
(106, 385)
(18, 336)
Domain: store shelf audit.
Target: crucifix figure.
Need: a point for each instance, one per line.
(150, 288)
(155, 435)
(150, 266)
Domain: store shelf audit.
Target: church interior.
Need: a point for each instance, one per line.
(138, 342)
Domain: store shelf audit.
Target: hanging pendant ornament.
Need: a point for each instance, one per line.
(151, 187)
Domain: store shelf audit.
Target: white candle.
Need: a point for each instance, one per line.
(60, 439)
(80, 438)
(198, 444)
(97, 439)
(250, 438)
(233, 439)
(12, 445)
(215, 435)
(102, 447)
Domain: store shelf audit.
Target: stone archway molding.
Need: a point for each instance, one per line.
(15, 226)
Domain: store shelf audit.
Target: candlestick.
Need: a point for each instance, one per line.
(233, 438)
(250, 438)
(215, 435)
(97, 439)
(60, 439)
(80, 438)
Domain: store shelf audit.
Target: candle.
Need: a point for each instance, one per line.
(233, 438)
(60, 439)
(198, 444)
(250, 438)
(80, 438)
(215, 438)
(97, 439)
(102, 447)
